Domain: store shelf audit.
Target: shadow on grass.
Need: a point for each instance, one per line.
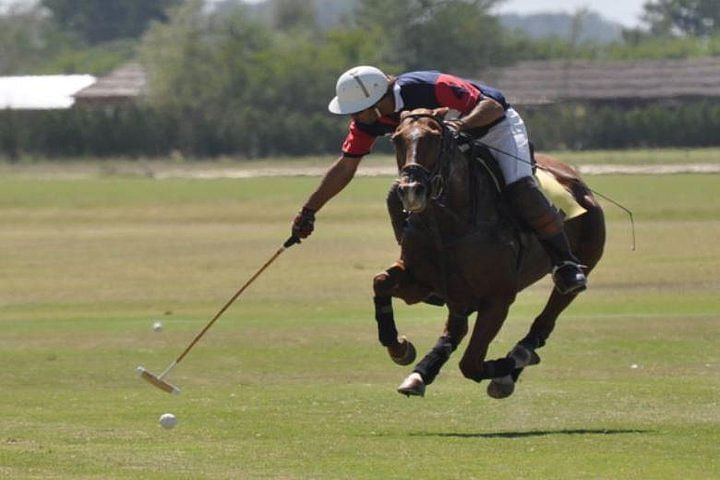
(532, 433)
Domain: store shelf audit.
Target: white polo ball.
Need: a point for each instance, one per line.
(157, 327)
(168, 420)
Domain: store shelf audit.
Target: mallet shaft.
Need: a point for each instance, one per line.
(162, 384)
(288, 243)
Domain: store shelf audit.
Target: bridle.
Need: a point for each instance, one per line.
(433, 180)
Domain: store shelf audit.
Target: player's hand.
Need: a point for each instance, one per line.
(304, 223)
(455, 125)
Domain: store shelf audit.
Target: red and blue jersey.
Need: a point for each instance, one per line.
(423, 89)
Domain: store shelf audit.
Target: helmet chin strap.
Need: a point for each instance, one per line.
(377, 111)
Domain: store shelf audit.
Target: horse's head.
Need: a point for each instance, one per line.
(420, 142)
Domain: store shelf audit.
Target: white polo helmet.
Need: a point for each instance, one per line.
(357, 89)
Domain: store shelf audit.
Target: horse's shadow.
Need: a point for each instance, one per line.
(531, 433)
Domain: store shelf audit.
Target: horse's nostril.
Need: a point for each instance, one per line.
(413, 188)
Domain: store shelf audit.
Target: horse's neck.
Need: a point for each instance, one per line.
(471, 194)
(470, 202)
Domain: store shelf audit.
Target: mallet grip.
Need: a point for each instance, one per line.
(291, 241)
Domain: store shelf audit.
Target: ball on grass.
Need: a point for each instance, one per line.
(168, 420)
(157, 327)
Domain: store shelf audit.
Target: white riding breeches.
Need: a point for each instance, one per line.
(508, 142)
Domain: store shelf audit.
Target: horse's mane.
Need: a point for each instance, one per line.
(483, 184)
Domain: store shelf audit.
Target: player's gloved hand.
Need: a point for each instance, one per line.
(454, 125)
(462, 139)
(304, 223)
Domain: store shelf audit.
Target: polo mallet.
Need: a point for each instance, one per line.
(159, 380)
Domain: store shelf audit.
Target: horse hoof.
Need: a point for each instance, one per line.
(500, 388)
(404, 354)
(412, 385)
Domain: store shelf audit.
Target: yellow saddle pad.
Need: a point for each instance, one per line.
(558, 195)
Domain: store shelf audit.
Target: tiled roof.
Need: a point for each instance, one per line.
(534, 83)
(122, 84)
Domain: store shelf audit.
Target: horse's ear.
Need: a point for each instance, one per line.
(440, 112)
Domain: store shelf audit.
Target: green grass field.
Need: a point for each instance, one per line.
(292, 384)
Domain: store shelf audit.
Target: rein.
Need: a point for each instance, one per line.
(435, 179)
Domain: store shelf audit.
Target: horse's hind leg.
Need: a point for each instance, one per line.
(544, 324)
(429, 367)
(523, 354)
(589, 240)
(589, 236)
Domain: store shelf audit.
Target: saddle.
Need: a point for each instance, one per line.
(483, 163)
(550, 186)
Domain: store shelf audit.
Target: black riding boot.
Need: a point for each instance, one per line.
(567, 273)
(534, 209)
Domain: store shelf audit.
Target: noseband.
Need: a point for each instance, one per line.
(433, 179)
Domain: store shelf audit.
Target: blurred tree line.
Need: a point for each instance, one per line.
(255, 80)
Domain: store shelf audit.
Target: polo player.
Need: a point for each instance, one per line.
(375, 100)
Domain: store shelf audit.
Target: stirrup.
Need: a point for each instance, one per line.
(574, 281)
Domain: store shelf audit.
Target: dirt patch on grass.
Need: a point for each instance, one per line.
(207, 170)
(378, 171)
(649, 169)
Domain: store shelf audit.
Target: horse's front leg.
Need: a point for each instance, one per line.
(489, 320)
(394, 282)
(428, 368)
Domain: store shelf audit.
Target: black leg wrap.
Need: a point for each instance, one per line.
(387, 332)
(430, 365)
(498, 368)
(532, 342)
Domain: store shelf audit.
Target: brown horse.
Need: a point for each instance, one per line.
(461, 247)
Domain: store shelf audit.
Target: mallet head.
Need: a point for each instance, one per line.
(157, 381)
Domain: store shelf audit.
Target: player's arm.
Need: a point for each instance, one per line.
(335, 180)
(484, 113)
(356, 145)
(477, 110)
